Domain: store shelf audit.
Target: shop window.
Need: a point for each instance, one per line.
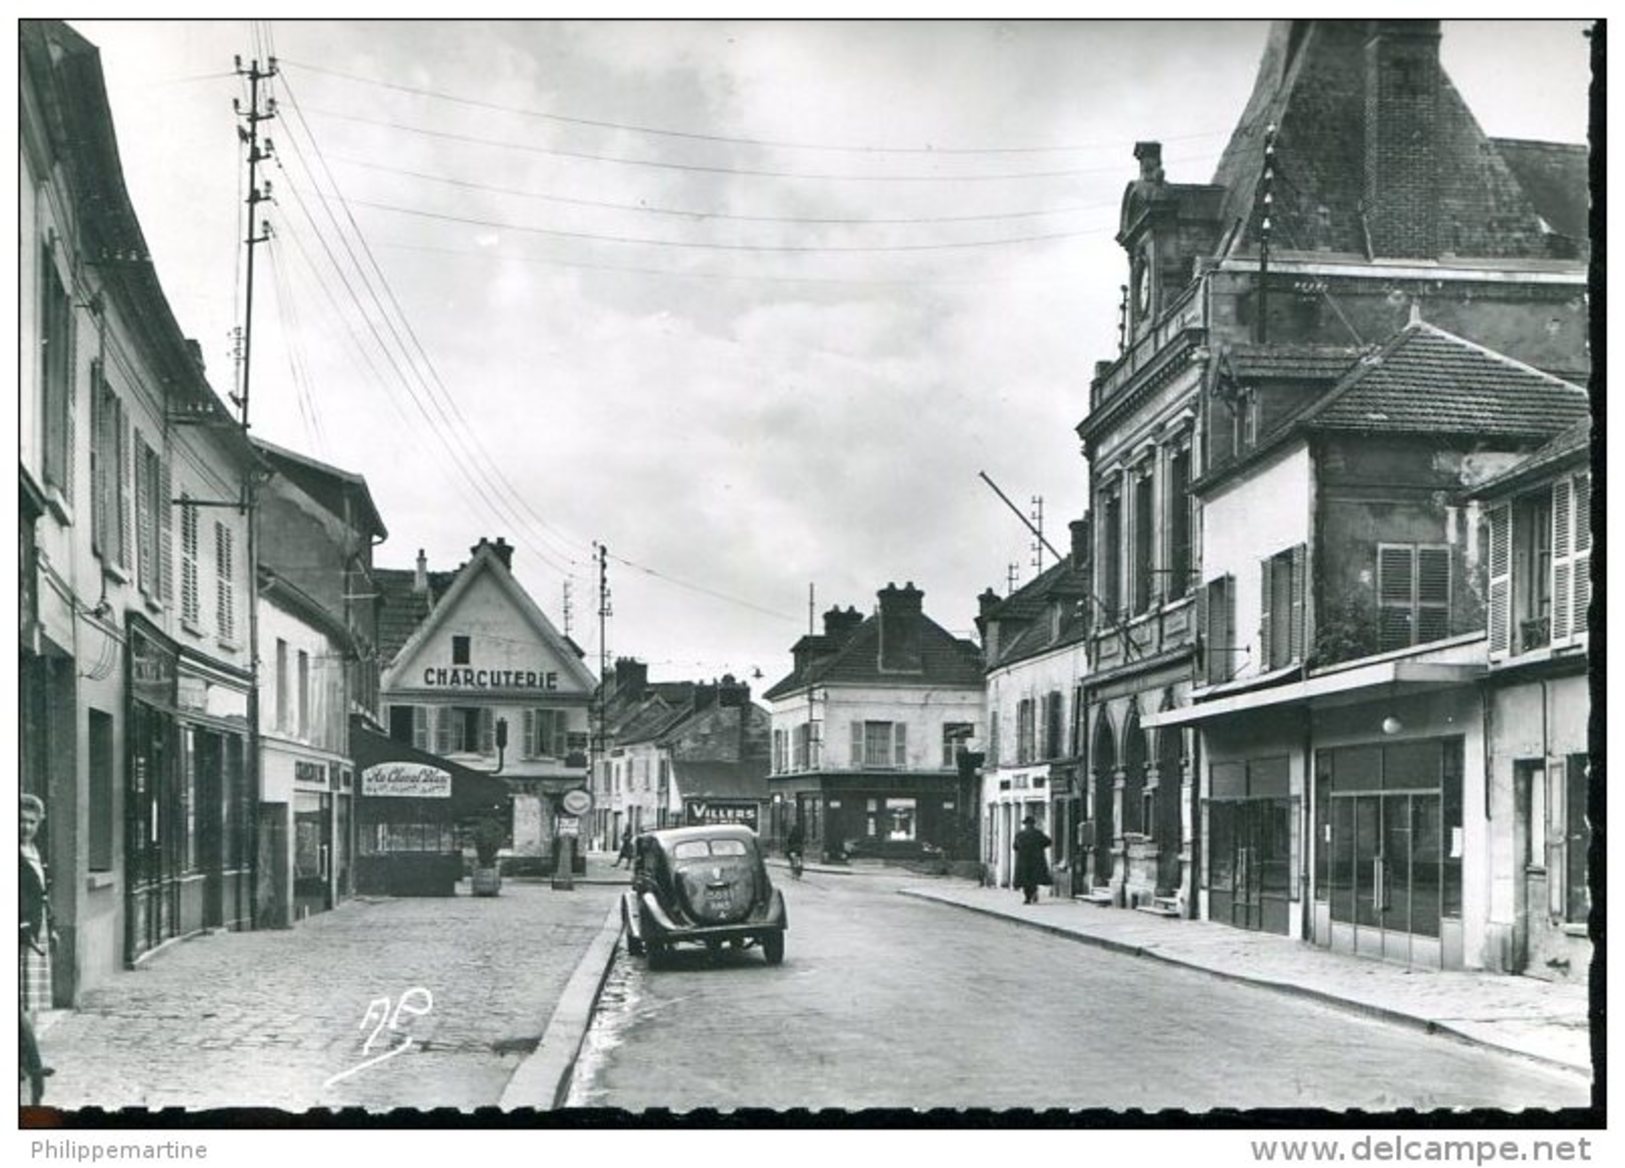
(459, 650)
(103, 782)
(1413, 594)
(954, 737)
(188, 800)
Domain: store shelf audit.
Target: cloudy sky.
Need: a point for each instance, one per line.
(750, 303)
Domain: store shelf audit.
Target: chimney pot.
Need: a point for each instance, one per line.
(420, 577)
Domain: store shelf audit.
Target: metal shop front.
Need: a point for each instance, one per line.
(1251, 853)
(1389, 864)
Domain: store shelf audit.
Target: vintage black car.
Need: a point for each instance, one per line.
(701, 886)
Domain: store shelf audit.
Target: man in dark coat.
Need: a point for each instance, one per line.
(1031, 867)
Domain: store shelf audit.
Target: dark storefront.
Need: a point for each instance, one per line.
(413, 812)
(876, 816)
(187, 821)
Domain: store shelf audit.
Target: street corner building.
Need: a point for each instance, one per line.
(135, 487)
(868, 729)
(1340, 524)
(476, 674)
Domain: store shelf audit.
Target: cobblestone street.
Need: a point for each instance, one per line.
(265, 1019)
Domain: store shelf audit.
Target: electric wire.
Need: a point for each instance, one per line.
(496, 476)
(725, 216)
(699, 168)
(772, 143)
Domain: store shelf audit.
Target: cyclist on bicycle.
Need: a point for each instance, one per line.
(794, 842)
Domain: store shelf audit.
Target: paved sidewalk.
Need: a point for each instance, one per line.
(280, 1018)
(1542, 1020)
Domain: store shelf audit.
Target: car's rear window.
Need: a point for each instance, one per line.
(695, 849)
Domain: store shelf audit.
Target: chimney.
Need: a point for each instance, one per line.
(985, 602)
(838, 625)
(1150, 156)
(732, 693)
(1403, 83)
(420, 578)
(504, 552)
(900, 634)
(1079, 529)
(705, 695)
(631, 677)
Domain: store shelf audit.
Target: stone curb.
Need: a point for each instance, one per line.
(542, 1081)
(1385, 1013)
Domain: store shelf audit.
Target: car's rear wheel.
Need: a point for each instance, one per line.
(634, 943)
(773, 947)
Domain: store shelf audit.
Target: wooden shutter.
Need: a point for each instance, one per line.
(1300, 566)
(1556, 836)
(530, 734)
(1500, 564)
(166, 531)
(1562, 560)
(488, 733)
(900, 744)
(1577, 838)
(420, 727)
(1432, 594)
(143, 518)
(121, 473)
(1265, 589)
(1396, 591)
(560, 735)
(189, 591)
(98, 463)
(857, 746)
(1579, 614)
(1203, 656)
(442, 730)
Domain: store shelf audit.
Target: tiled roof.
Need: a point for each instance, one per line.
(1556, 177)
(946, 661)
(652, 719)
(1028, 612)
(1571, 446)
(1426, 380)
(1311, 86)
(400, 610)
(1291, 362)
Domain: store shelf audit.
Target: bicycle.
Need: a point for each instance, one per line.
(795, 864)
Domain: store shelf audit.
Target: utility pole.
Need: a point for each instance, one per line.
(812, 604)
(1037, 516)
(1012, 576)
(600, 762)
(250, 489)
(568, 612)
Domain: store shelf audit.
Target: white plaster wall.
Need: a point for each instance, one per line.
(328, 711)
(923, 710)
(1256, 517)
(1034, 678)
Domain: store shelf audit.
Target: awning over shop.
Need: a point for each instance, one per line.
(1438, 668)
(472, 792)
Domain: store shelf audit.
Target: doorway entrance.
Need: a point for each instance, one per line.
(1250, 854)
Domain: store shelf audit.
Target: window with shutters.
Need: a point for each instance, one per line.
(191, 603)
(225, 612)
(1570, 592)
(954, 737)
(779, 747)
(1526, 567)
(546, 733)
(1217, 616)
(109, 472)
(56, 368)
(1281, 609)
(1054, 725)
(468, 730)
(1413, 594)
(879, 745)
(146, 518)
(1567, 822)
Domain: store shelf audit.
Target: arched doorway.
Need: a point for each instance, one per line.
(1103, 774)
(1168, 828)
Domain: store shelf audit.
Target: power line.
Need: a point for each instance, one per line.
(767, 247)
(700, 588)
(677, 212)
(772, 143)
(696, 167)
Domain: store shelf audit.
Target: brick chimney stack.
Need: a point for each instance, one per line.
(900, 633)
(420, 577)
(631, 677)
(1403, 82)
(839, 624)
(1079, 529)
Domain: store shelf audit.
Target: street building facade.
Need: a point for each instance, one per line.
(319, 668)
(867, 727)
(712, 765)
(1035, 643)
(1357, 194)
(629, 708)
(481, 677)
(136, 671)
